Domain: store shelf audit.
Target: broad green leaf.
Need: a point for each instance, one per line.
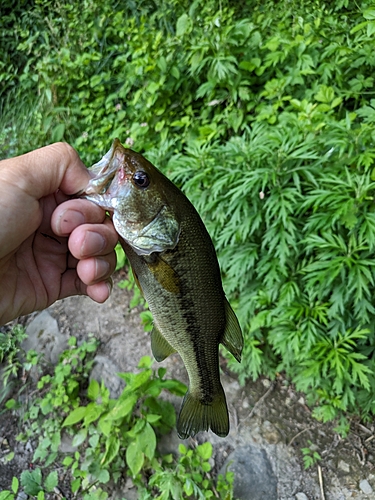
(6, 495)
(31, 481)
(370, 28)
(75, 416)
(104, 476)
(51, 481)
(369, 14)
(55, 441)
(122, 408)
(112, 447)
(105, 425)
(75, 485)
(15, 485)
(94, 440)
(205, 450)
(68, 461)
(188, 487)
(146, 440)
(58, 132)
(134, 457)
(182, 25)
(152, 418)
(93, 412)
(80, 437)
(93, 390)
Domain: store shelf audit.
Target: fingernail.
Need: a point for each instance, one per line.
(93, 244)
(69, 220)
(101, 268)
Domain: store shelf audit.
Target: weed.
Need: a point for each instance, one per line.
(263, 112)
(310, 456)
(113, 438)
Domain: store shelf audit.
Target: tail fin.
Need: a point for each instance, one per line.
(196, 415)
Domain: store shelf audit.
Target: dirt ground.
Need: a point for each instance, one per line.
(270, 415)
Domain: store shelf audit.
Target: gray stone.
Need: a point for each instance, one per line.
(301, 496)
(343, 466)
(169, 443)
(253, 475)
(44, 337)
(106, 370)
(270, 433)
(22, 496)
(66, 444)
(365, 487)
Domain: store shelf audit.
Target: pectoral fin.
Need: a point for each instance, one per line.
(137, 281)
(232, 338)
(164, 273)
(161, 349)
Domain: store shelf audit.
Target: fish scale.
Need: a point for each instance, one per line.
(175, 265)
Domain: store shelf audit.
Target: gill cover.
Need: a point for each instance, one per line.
(141, 214)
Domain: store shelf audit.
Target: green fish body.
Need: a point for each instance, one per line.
(175, 265)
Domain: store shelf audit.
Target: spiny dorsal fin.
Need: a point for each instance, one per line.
(161, 349)
(232, 338)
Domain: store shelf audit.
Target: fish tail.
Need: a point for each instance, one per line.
(197, 415)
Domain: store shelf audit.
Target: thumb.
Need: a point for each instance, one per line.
(43, 171)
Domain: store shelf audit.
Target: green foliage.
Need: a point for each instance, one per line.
(310, 456)
(58, 395)
(264, 113)
(10, 347)
(32, 483)
(190, 477)
(111, 437)
(10, 495)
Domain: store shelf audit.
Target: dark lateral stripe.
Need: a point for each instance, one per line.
(205, 372)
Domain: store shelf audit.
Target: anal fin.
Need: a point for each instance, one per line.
(161, 349)
(232, 338)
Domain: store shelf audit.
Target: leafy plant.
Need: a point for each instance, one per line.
(310, 456)
(10, 348)
(112, 437)
(190, 477)
(263, 112)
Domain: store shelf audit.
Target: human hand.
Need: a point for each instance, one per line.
(51, 247)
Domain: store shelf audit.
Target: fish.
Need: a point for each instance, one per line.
(176, 268)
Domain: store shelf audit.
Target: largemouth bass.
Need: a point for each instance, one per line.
(176, 268)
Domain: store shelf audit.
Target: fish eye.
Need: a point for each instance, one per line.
(141, 179)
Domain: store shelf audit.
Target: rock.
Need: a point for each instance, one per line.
(343, 466)
(106, 370)
(66, 445)
(270, 433)
(267, 383)
(169, 443)
(365, 487)
(22, 496)
(45, 338)
(130, 490)
(253, 475)
(301, 496)
(245, 404)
